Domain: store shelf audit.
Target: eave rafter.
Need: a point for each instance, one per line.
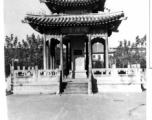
(55, 22)
(74, 20)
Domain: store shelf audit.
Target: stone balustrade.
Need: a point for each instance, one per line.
(117, 73)
(101, 72)
(116, 79)
(33, 75)
(32, 80)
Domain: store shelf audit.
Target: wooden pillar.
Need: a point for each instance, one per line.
(47, 55)
(50, 54)
(90, 52)
(61, 55)
(70, 56)
(106, 52)
(67, 63)
(44, 52)
(53, 57)
(87, 61)
(90, 66)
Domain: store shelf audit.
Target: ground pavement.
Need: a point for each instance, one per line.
(105, 106)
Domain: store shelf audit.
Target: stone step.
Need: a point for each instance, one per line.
(76, 92)
(77, 84)
(79, 80)
(76, 87)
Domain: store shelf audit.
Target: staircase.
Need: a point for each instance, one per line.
(75, 86)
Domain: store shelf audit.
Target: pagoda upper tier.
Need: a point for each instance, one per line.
(75, 6)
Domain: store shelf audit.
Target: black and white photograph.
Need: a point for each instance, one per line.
(76, 59)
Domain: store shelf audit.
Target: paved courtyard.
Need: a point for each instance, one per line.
(104, 106)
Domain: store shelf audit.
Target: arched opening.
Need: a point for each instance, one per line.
(98, 53)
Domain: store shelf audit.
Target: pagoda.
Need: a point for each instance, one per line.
(77, 24)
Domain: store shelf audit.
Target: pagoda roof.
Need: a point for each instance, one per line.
(72, 2)
(60, 5)
(94, 19)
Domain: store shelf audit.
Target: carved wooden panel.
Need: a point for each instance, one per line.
(75, 30)
(97, 30)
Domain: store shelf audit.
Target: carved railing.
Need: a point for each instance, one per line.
(47, 75)
(34, 75)
(127, 71)
(101, 72)
(23, 76)
(118, 74)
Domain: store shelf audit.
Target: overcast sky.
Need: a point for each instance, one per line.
(137, 12)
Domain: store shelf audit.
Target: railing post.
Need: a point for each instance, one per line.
(23, 67)
(12, 76)
(114, 74)
(138, 75)
(32, 68)
(36, 73)
(18, 67)
(60, 81)
(28, 68)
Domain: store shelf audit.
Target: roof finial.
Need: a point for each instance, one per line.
(106, 10)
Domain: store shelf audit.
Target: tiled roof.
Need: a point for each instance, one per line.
(71, 2)
(73, 20)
